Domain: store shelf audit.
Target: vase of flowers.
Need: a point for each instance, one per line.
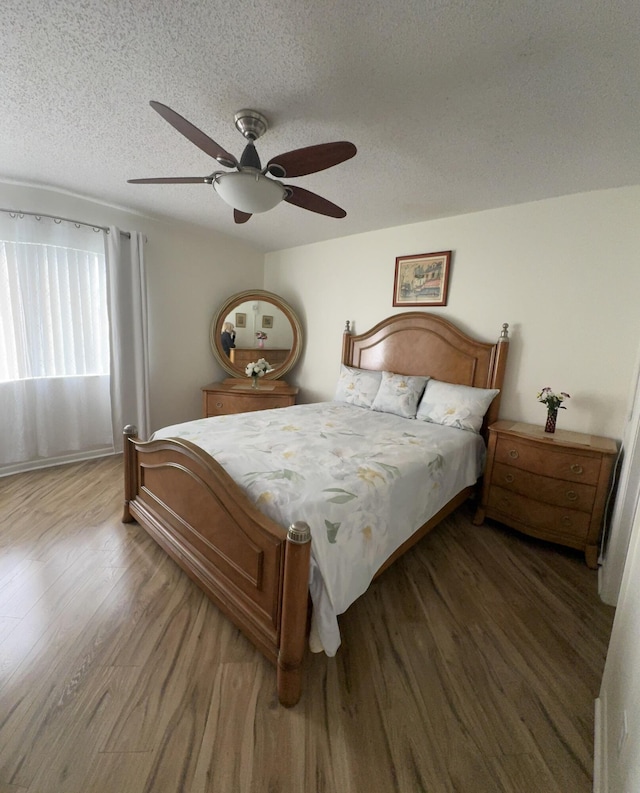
(261, 337)
(553, 402)
(256, 370)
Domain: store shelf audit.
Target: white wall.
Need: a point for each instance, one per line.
(563, 273)
(190, 273)
(618, 758)
(626, 502)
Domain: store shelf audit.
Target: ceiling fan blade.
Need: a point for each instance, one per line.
(195, 135)
(310, 159)
(313, 202)
(173, 180)
(240, 217)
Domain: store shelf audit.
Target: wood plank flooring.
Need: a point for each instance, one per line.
(471, 665)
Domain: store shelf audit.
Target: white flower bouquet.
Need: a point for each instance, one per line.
(258, 368)
(552, 400)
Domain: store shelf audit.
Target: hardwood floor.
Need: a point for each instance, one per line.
(471, 665)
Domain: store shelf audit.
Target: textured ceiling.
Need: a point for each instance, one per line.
(454, 106)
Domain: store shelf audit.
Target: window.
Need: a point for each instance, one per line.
(53, 311)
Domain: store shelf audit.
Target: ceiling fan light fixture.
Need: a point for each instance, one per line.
(249, 191)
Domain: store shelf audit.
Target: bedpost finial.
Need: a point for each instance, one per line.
(347, 327)
(504, 335)
(299, 532)
(130, 429)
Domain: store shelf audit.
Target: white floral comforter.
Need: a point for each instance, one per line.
(364, 481)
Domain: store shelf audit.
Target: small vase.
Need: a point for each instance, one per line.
(254, 382)
(550, 426)
(260, 343)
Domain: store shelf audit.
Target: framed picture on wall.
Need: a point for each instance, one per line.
(241, 320)
(422, 279)
(267, 321)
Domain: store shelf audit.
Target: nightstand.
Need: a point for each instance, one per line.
(238, 396)
(549, 485)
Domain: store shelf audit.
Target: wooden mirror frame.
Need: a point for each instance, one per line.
(256, 295)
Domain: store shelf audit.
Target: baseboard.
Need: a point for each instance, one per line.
(600, 784)
(50, 462)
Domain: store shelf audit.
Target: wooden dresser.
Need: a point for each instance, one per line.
(551, 486)
(237, 396)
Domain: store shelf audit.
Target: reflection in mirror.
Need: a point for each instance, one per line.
(259, 325)
(253, 325)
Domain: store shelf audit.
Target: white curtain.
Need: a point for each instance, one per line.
(127, 302)
(54, 344)
(73, 341)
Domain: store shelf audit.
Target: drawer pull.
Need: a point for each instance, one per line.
(572, 495)
(513, 454)
(504, 502)
(218, 404)
(509, 478)
(576, 469)
(566, 520)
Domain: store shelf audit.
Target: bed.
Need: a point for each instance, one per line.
(220, 516)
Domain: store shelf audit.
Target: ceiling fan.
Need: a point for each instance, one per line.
(250, 188)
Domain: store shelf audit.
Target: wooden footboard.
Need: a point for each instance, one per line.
(256, 571)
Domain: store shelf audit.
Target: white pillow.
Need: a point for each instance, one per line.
(399, 394)
(357, 386)
(460, 406)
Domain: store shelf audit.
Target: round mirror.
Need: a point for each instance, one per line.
(252, 325)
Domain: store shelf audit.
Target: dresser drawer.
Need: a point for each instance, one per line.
(552, 522)
(224, 404)
(553, 463)
(573, 495)
(236, 395)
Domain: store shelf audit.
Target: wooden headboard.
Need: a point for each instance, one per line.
(418, 343)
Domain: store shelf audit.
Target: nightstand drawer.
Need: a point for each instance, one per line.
(571, 466)
(548, 519)
(558, 492)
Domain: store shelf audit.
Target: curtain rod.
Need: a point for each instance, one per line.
(57, 219)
